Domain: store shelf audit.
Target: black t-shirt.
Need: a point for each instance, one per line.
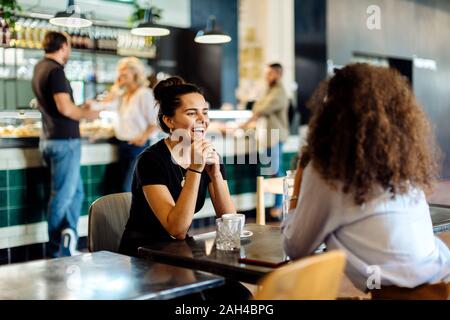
(155, 167)
(49, 78)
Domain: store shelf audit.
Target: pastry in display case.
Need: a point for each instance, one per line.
(19, 125)
(99, 129)
(23, 129)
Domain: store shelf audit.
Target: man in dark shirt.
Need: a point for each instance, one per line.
(60, 143)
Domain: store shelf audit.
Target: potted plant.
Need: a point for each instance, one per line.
(139, 11)
(8, 9)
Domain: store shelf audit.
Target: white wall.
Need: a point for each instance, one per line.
(176, 13)
(273, 21)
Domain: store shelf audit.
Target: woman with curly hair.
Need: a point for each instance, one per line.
(372, 157)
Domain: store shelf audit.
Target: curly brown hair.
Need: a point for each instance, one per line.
(370, 131)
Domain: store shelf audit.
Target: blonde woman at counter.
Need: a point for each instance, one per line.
(136, 121)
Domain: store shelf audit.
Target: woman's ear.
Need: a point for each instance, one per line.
(168, 122)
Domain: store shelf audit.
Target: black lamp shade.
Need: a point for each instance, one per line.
(70, 18)
(211, 35)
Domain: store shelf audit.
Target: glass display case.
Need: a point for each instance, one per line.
(20, 125)
(20, 129)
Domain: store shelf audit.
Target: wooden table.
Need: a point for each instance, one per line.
(201, 254)
(100, 275)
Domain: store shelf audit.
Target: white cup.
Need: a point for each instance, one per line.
(235, 216)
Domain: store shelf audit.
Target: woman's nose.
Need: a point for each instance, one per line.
(201, 117)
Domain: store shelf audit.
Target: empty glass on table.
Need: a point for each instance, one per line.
(228, 234)
(288, 190)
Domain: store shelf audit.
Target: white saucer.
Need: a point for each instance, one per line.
(246, 234)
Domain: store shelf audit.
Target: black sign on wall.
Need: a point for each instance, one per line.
(310, 50)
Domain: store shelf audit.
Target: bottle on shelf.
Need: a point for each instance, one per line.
(74, 38)
(106, 39)
(84, 39)
(114, 40)
(89, 41)
(99, 38)
(43, 30)
(19, 32)
(35, 34)
(2, 23)
(110, 41)
(6, 33)
(28, 34)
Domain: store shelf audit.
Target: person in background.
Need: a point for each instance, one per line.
(136, 124)
(60, 143)
(273, 107)
(372, 157)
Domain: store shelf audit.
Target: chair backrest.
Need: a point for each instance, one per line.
(269, 185)
(313, 278)
(108, 216)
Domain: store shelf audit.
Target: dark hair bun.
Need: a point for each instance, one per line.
(164, 88)
(168, 94)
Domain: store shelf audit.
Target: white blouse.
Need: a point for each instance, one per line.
(388, 241)
(135, 116)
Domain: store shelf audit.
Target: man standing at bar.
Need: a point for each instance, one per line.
(273, 107)
(60, 143)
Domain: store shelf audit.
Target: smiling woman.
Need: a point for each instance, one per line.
(172, 176)
(168, 189)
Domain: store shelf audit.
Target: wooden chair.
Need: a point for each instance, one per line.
(313, 278)
(269, 185)
(108, 216)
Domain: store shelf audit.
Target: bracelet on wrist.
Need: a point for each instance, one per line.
(294, 198)
(196, 171)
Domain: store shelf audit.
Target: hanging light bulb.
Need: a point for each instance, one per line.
(211, 35)
(148, 28)
(71, 18)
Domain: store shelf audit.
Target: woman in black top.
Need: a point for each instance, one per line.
(172, 176)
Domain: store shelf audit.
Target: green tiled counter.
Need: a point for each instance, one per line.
(25, 185)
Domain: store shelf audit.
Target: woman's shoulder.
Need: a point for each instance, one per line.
(156, 152)
(312, 175)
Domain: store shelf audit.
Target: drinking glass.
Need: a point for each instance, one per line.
(228, 234)
(234, 216)
(288, 190)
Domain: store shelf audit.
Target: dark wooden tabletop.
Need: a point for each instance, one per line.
(100, 275)
(200, 253)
